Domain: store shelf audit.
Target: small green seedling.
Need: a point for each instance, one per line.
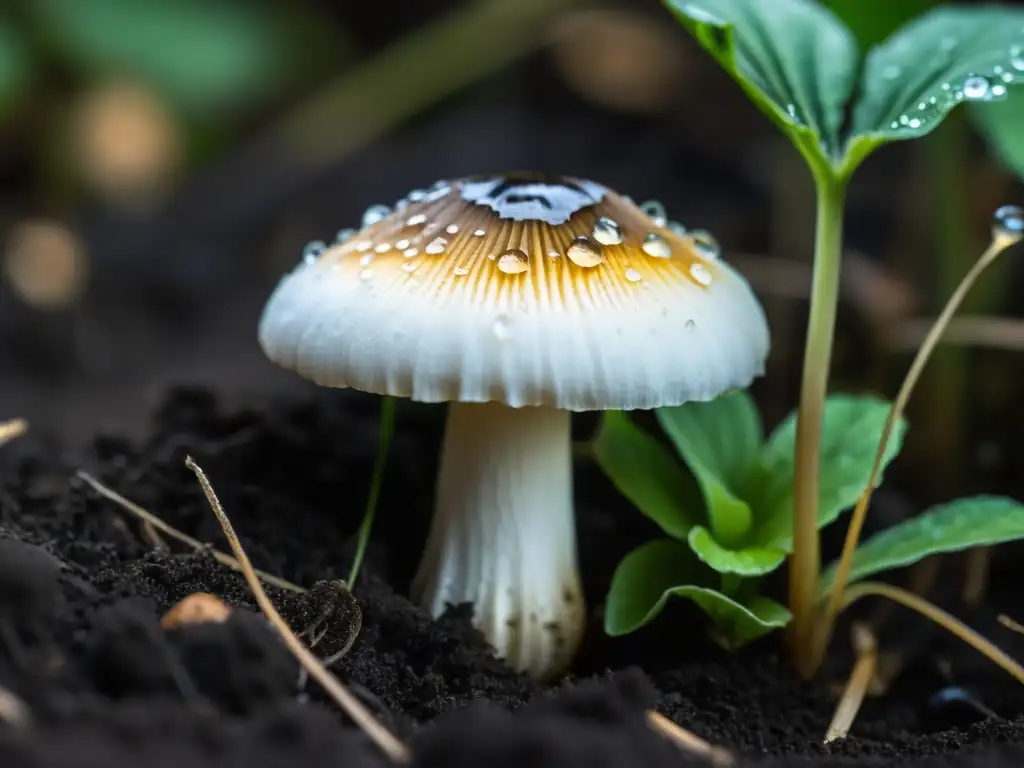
(727, 510)
(801, 66)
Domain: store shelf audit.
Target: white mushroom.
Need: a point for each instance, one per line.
(516, 299)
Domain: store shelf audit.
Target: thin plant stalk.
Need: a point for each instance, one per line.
(805, 562)
(1000, 242)
(857, 686)
(386, 741)
(933, 613)
(387, 431)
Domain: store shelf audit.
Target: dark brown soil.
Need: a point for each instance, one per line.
(82, 593)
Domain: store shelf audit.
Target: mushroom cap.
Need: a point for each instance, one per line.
(525, 289)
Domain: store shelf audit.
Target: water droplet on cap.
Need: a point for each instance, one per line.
(607, 231)
(401, 245)
(416, 195)
(633, 275)
(383, 247)
(690, 326)
(436, 246)
(344, 235)
(452, 229)
(410, 252)
(657, 246)
(975, 88)
(410, 266)
(460, 271)
(513, 262)
(655, 211)
(1008, 221)
(479, 233)
(705, 244)
(313, 251)
(584, 252)
(676, 228)
(416, 220)
(700, 273)
(375, 213)
(364, 245)
(554, 254)
(366, 259)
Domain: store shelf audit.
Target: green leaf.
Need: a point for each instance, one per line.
(949, 55)
(202, 56)
(746, 561)
(795, 60)
(648, 475)
(719, 440)
(651, 574)
(849, 439)
(17, 67)
(978, 521)
(872, 21)
(1002, 125)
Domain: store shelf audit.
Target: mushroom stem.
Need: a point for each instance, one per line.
(503, 536)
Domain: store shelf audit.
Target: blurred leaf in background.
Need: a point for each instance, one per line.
(206, 59)
(872, 21)
(1002, 125)
(17, 67)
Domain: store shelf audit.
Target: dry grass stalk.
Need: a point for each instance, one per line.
(12, 429)
(858, 685)
(689, 742)
(184, 538)
(381, 736)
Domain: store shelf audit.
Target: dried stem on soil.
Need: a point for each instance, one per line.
(1000, 242)
(689, 742)
(937, 615)
(381, 736)
(12, 429)
(1010, 624)
(858, 685)
(184, 538)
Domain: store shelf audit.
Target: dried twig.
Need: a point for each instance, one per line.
(12, 429)
(1010, 624)
(383, 738)
(184, 538)
(13, 710)
(857, 687)
(689, 742)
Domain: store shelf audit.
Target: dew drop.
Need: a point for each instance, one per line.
(554, 254)
(584, 252)
(690, 326)
(676, 228)
(657, 246)
(401, 245)
(633, 275)
(313, 251)
(700, 273)
(410, 252)
(1008, 221)
(460, 271)
(344, 235)
(366, 259)
(1017, 59)
(383, 247)
(607, 231)
(998, 91)
(513, 262)
(415, 221)
(502, 327)
(375, 213)
(436, 246)
(655, 211)
(705, 244)
(479, 233)
(410, 266)
(364, 245)
(975, 88)
(366, 274)
(452, 229)
(416, 195)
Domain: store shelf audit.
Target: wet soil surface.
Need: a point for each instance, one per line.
(82, 592)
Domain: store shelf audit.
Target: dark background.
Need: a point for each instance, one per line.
(163, 163)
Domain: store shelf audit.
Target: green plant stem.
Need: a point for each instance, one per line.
(805, 563)
(939, 616)
(387, 429)
(822, 633)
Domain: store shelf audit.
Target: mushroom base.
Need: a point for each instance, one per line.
(503, 535)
